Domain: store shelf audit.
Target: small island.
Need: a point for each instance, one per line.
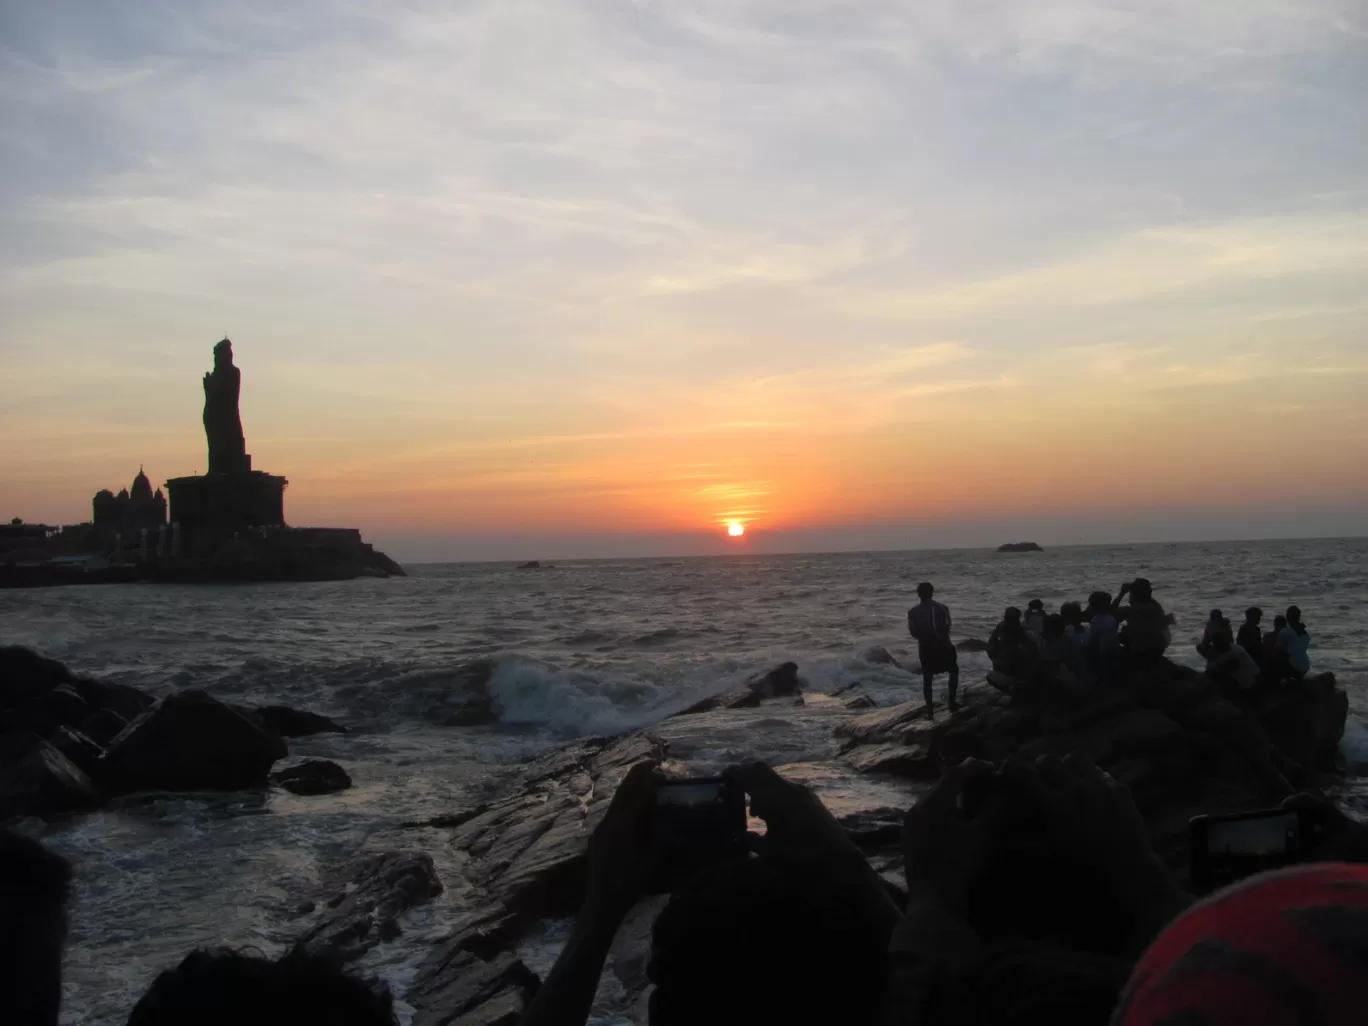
(1020, 547)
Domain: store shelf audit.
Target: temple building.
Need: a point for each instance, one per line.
(132, 510)
(232, 496)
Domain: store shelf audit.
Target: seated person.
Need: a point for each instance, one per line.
(1035, 619)
(1146, 634)
(1230, 666)
(1251, 637)
(1031, 890)
(1064, 650)
(1073, 617)
(230, 988)
(1293, 642)
(34, 887)
(1010, 648)
(725, 948)
(1217, 626)
(1103, 642)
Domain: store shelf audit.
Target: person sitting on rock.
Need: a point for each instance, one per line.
(1216, 626)
(1146, 634)
(1064, 653)
(723, 948)
(929, 623)
(1251, 637)
(1103, 642)
(1010, 648)
(1293, 643)
(1073, 617)
(34, 887)
(1232, 669)
(230, 988)
(1035, 619)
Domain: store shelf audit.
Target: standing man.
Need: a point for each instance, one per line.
(929, 623)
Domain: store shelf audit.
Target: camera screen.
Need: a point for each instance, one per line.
(691, 793)
(1261, 836)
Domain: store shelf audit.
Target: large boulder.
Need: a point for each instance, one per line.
(38, 780)
(1306, 719)
(45, 711)
(191, 742)
(103, 726)
(26, 678)
(363, 899)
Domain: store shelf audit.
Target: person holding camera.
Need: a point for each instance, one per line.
(723, 948)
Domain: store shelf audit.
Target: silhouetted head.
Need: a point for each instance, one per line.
(223, 353)
(1279, 622)
(925, 590)
(230, 988)
(1253, 614)
(1142, 590)
(1035, 606)
(1294, 615)
(1099, 602)
(1012, 615)
(1216, 616)
(1072, 612)
(729, 950)
(1054, 625)
(34, 886)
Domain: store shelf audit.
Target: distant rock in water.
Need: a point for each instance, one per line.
(1020, 547)
(531, 564)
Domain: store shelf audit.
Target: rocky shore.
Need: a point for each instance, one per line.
(68, 744)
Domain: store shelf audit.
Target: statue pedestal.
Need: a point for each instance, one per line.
(220, 504)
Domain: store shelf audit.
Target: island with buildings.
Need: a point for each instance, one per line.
(225, 525)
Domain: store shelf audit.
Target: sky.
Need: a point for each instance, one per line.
(528, 278)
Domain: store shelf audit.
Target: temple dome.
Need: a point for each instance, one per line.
(142, 487)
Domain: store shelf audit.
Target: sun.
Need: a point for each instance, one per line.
(735, 528)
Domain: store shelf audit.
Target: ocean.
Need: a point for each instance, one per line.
(582, 649)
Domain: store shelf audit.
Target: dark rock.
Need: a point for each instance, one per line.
(38, 780)
(879, 656)
(458, 988)
(843, 689)
(1306, 719)
(189, 742)
(128, 702)
(42, 713)
(26, 677)
(885, 726)
(363, 899)
(531, 564)
(917, 762)
(776, 682)
(316, 776)
(861, 702)
(972, 645)
(289, 722)
(103, 726)
(84, 753)
(1020, 547)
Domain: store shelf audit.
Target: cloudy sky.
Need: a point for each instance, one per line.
(527, 278)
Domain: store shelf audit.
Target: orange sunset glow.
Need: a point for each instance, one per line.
(603, 302)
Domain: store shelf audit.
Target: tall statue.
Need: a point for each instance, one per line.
(222, 423)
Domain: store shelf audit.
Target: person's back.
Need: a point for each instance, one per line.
(1294, 641)
(1147, 631)
(1251, 636)
(1035, 619)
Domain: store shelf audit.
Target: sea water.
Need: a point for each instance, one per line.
(580, 648)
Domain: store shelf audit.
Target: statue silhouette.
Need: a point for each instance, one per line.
(222, 423)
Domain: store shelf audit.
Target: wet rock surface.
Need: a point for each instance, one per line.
(360, 902)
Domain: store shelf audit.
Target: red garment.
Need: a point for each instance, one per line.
(1280, 949)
